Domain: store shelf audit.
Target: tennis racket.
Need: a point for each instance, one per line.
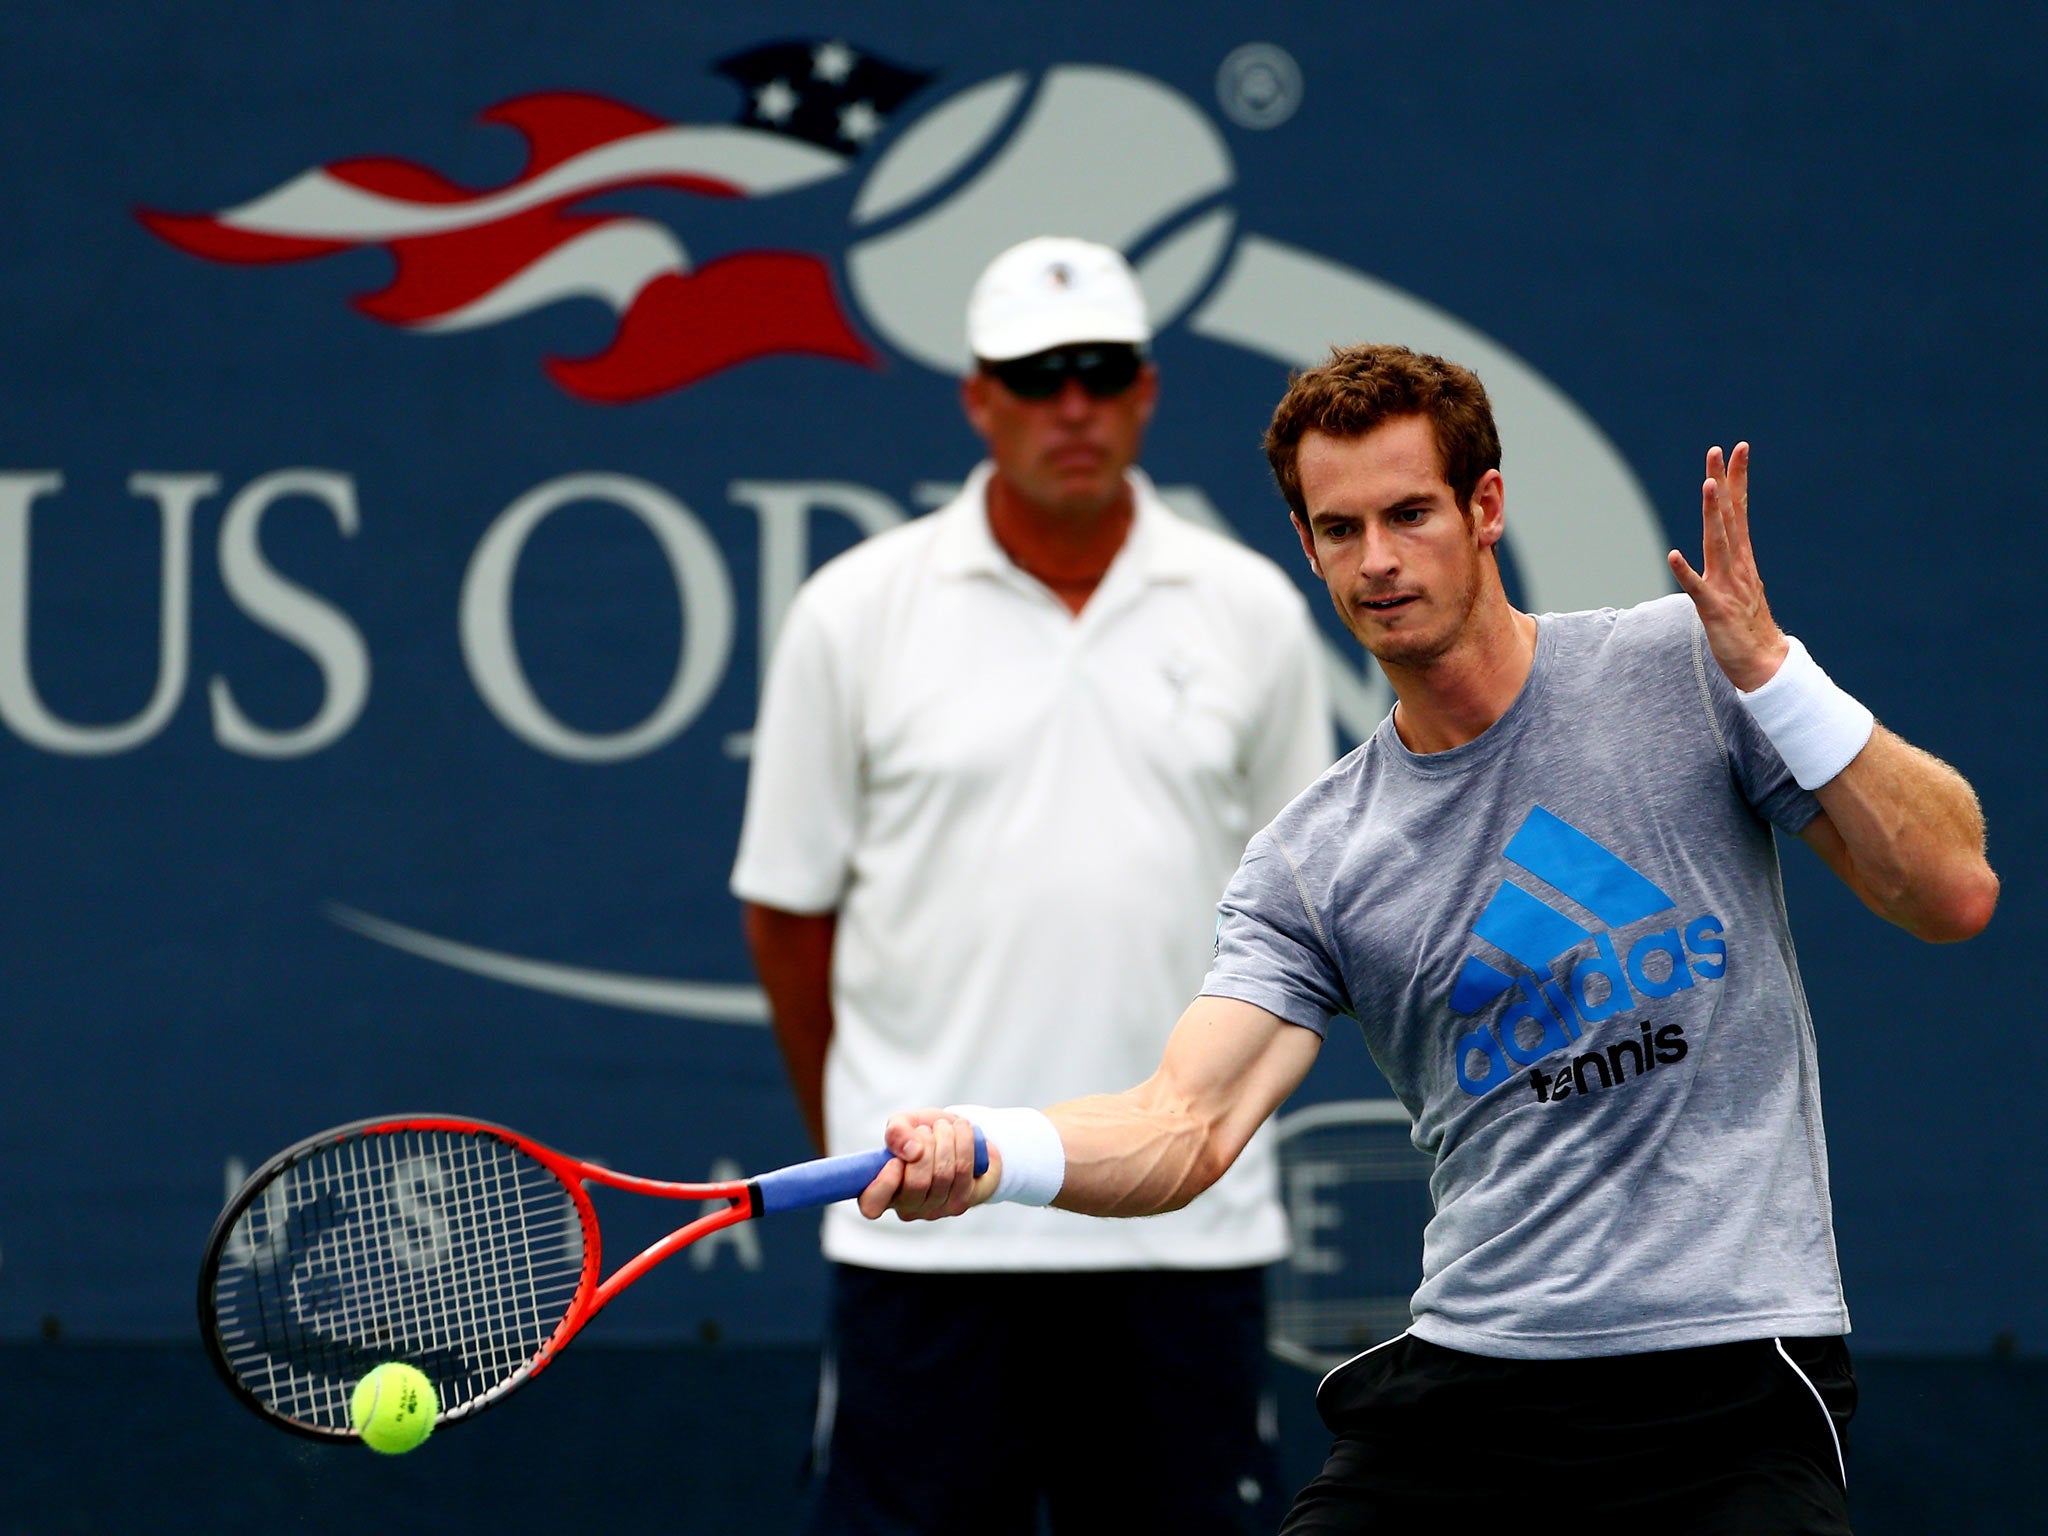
(1357, 1197)
(460, 1247)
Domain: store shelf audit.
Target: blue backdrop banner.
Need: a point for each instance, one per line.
(418, 419)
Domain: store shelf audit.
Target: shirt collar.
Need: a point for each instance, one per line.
(1156, 549)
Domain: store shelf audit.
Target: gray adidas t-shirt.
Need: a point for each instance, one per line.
(1566, 943)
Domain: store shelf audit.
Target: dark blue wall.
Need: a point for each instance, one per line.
(1820, 228)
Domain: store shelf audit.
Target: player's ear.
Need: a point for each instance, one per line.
(1308, 544)
(974, 402)
(1148, 392)
(1488, 508)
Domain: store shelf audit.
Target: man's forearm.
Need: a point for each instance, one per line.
(1905, 832)
(1157, 1146)
(1152, 1148)
(793, 957)
(1130, 1157)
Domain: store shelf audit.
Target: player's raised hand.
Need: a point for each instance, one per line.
(933, 1172)
(1729, 593)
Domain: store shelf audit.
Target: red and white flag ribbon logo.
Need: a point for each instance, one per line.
(467, 258)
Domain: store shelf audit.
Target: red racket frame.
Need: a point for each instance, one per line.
(592, 1295)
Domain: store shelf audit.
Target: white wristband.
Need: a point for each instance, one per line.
(1816, 727)
(1034, 1159)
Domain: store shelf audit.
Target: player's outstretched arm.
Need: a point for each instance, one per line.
(1152, 1148)
(1900, 827)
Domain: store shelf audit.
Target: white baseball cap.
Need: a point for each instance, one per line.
(1054, 292)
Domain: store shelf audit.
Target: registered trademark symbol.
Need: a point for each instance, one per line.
(1259, 85)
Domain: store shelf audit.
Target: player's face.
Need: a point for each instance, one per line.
(1065, 454)
(1404, 564)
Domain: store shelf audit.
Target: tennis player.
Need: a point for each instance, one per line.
(1548, 890)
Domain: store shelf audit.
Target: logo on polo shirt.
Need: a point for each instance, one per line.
(1554, 990)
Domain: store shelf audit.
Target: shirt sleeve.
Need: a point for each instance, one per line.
(802, 815)
(1759, 771)
(1294, 740)
(1271, 949)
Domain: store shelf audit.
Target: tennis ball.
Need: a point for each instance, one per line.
(393, 1408)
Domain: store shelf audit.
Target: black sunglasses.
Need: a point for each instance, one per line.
(1105, 370)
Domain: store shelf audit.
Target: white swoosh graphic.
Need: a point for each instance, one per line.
(718, 1002)
(317, 206)
(612, 263)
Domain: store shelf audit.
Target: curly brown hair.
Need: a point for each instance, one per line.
(1360, 387)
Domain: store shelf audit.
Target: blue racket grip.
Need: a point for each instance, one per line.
(834, 1178)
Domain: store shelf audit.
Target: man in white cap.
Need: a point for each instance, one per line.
(1007, 757)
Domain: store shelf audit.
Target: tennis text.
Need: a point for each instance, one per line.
(1614, 1066)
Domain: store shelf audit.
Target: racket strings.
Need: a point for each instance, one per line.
(451, 1250)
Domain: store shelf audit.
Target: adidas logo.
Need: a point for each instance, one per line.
(1547, 1010)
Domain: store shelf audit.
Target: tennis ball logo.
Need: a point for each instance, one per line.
(393, 1408)
(1103, 154)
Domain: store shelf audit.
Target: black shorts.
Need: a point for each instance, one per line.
(1743, 1439)
(1125, 1402)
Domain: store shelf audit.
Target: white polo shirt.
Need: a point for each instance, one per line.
(1025, 819)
